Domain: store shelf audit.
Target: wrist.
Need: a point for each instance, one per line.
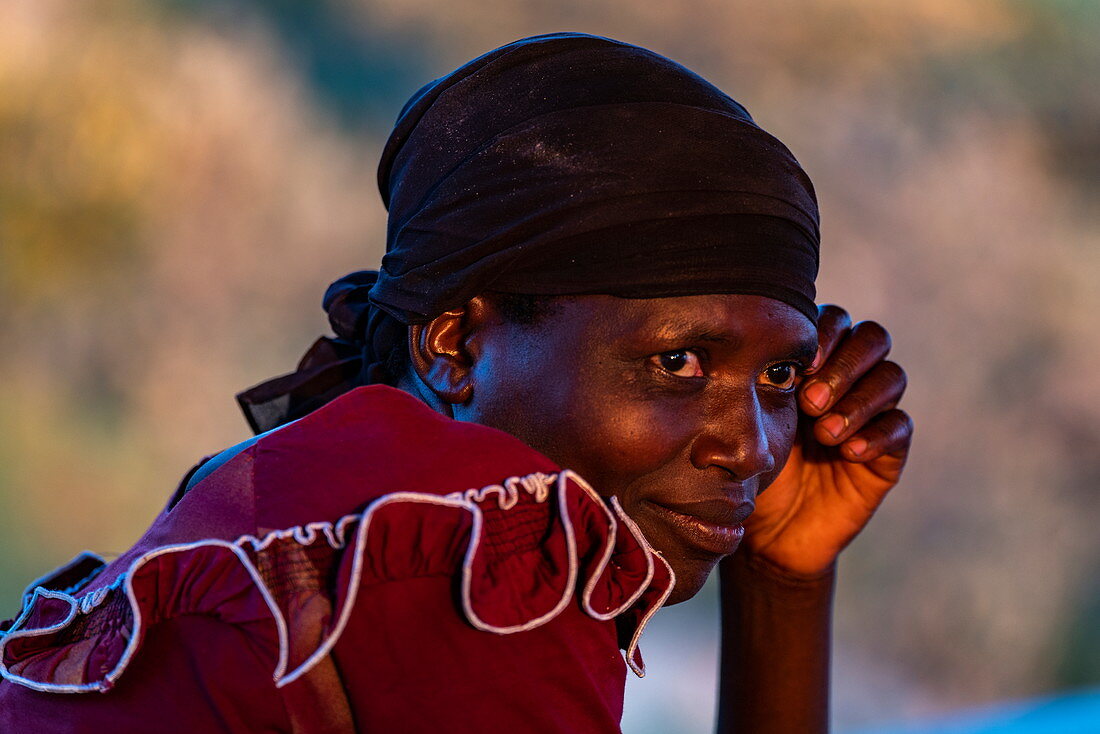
(747, 573)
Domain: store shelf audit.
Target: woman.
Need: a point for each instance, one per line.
(597, 266)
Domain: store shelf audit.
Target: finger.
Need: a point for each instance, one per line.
(864, 346)
(876, 392)
(888, 433)
(833, 323)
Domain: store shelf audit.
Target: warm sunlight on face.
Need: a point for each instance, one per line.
(683, 408)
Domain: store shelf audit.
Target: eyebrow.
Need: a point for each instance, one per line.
(702, 334)
(804, 351)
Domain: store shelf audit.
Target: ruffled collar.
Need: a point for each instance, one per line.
(525, 546)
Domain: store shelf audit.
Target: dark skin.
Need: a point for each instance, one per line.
(686, 409)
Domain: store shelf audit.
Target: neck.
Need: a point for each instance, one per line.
(411, 383)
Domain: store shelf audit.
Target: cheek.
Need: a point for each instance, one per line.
(625, 441)
(518, 393)
(576, 418)
(782, 431)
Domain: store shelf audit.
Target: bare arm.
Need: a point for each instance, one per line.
(774, 675)
(777, 590)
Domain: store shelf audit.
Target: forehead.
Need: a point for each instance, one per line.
(734, 319)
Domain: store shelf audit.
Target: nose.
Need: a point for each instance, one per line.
(733, 437)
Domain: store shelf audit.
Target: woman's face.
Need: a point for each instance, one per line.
(682, 408)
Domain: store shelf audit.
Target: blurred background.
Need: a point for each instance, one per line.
(181, 179)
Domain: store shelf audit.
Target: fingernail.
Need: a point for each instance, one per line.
(817, 361)
(818, 395)
(857, 446)
(834, 424)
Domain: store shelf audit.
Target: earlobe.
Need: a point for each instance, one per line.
(440, 357)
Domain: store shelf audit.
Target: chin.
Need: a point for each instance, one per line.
(691, 574)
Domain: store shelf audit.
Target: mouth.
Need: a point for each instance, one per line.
(713, 527)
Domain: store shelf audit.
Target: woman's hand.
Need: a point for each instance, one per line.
(851, 446)
(777, 589)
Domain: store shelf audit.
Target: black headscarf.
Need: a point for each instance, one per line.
(562, 164)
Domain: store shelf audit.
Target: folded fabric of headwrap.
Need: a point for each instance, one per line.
(562, 164)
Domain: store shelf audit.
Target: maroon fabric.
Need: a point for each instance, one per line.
(566, 676)
(372, 567)
(194, 674)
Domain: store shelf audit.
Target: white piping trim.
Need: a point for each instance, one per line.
(13, 633)
(590, 586)
(329, 640)
(41, 580)
(304, 534)
(135, 637)
(537, 485)
(93, 599)
(639, 670)
(570, 549)
(90, 601)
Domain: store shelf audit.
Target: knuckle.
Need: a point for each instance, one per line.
(857, 407)
(894, 373)
(831, 314)
(873, 332)
(846, 364)
(897, 425)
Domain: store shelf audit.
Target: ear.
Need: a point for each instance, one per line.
(443, 351)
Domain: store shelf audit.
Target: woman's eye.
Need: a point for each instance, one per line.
(682, 363)
(782, 375)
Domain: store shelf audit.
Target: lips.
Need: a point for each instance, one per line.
(712, 526)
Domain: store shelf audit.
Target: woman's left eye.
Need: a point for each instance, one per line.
(681, 363)
(782, 375)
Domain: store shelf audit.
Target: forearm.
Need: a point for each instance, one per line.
(776, 633)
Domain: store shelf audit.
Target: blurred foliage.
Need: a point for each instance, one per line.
(180, 179)
(360, 73)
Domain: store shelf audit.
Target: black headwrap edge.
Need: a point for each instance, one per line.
(367, 319)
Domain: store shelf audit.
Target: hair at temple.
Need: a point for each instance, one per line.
(524, 309)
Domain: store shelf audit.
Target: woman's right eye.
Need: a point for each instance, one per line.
(681, 363)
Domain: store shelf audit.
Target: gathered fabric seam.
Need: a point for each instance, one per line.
(336, 535)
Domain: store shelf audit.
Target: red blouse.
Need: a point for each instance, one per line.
(373, 567)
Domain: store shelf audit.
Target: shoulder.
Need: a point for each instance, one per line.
(367, 443)
(368, 490)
